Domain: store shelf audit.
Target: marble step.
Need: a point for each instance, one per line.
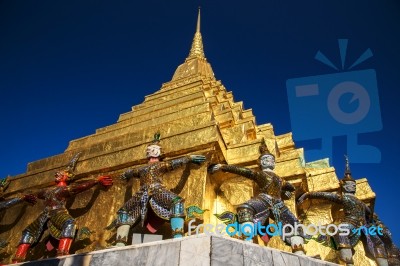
(188, 251)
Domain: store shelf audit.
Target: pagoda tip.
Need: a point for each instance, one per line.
(198, 22)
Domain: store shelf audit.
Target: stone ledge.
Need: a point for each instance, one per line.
(188, 251)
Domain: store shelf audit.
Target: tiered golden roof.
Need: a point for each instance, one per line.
(194, 113)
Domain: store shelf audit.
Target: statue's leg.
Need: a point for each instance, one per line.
(67, 235)
(245, 215)
(296, 237)
(346, 255)
(255, 208)
(345, 245)
(21, 252)
(169, 206)
(382, 262)
(177, 217)
(122, 235)
(393, 253)
(62, 226)
(123, 222)
(297, 244)
(127, 216)
(29, 236)
(379, 251)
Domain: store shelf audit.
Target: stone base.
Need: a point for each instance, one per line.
(187, 251)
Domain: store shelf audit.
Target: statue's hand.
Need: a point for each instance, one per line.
(123, 177)
(3, 243)
(126, 174)
(197, 158)
(4, 183)
(105, 181)
(288, 194)
(31, 199)
(302, 198)
(214, 168)
(84, 233)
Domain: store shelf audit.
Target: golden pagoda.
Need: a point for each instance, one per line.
(194, 113)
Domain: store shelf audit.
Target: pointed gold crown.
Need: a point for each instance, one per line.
(154, 149)
(156, 138)
(347, 172)
(70, 169)
(264, 150)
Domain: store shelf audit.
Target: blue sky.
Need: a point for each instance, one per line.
(70, 67)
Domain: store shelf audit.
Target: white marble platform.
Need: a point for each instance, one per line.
(201, 250)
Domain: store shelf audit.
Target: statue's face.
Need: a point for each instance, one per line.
(349, 187)
(153, 151)
(267, 162)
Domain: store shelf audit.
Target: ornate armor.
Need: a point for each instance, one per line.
(392, 250)
(268, 203)
(7, 203)
(61, 225)
(151, 191)
(164, 203)
(55, 215)
(355, 214)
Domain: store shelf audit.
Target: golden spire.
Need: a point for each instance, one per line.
(198, 22)
(196, 63)
(197, 45)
